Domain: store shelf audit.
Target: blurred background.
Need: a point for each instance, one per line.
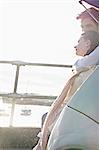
(36, 31)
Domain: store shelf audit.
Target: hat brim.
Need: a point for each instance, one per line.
(93, 2)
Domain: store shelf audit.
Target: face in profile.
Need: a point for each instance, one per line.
(82, 47)
(88, 24)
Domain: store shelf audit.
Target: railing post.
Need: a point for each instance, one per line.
(14, 91)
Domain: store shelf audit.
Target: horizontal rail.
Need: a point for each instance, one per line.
(28, 99)
(22, 63)
(12, 95)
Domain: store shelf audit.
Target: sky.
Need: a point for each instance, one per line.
(39, 30)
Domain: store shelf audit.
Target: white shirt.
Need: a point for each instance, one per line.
(89, 60)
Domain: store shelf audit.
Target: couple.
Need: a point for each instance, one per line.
(88, 48)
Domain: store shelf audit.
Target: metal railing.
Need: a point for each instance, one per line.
(37, 99)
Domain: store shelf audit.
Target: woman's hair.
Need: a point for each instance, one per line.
(94, 39)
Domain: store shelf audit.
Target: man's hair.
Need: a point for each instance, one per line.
(85, 14)
(94, 39)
